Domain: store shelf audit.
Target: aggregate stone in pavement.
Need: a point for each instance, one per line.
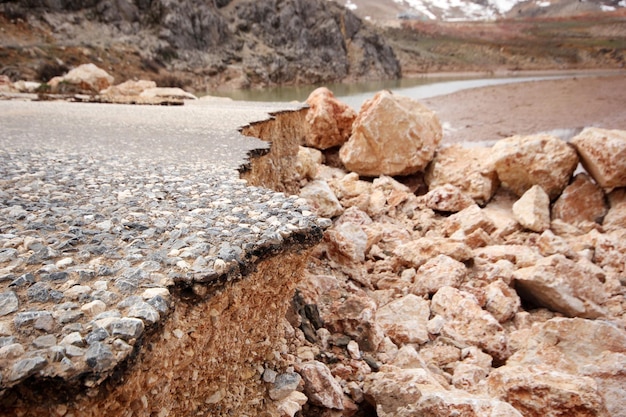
(104, 208)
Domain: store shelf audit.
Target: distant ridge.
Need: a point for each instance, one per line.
(384, 11)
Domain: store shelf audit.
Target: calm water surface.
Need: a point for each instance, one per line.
(356, 93)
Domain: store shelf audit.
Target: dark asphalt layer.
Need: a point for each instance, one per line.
(199, 131)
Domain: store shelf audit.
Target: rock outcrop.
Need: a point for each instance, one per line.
(212, 44)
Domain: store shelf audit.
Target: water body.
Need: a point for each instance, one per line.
(355, 94)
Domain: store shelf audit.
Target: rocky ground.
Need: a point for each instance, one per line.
(489, 282)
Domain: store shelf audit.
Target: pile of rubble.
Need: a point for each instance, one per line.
(88, 83)
(458, 280)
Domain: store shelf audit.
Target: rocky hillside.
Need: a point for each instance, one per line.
(202, 45)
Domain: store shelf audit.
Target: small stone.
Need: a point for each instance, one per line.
(99, 357)
(75, 339)
(8, 303)
(68, 316)
(320, 386)
(77, 292)
(285, 384)
(127, 328)
(11, 351)
(404, 320)
(23, 319)
(45, 341)
(581, 201)
(159, 303)
(353, 350)
(97, 335)
(145, 312)
(23, 280)
(56, 276)
(153, 292)
(322, 199)
(269, 375)
(94, 307)
(6, 340)
(56, 353)
(72, 351)
(448, 198)
(532, 210)
(39, 291)
(26, 367)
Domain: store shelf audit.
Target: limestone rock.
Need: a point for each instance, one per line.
(352, 192)
(440, 271)
(329, 121)
(6, 86)
(394, 192)
(354, 317)
(551, 244)
(561, 285)
(392, 389)
(447, 198)
(524, 161)
(392, 135)
(404, 320)
(445, 403)
(581, 201)
(320, 386)
(419, 251)
(467, 323)
(469, 169)
(346, 243)
(167, 93)
(468, 220)
(321, 199)
(532, 210)
(616, 216)
(128, 88)
(308, 162)
(603, 154)
(502, 301)
(290, 405)
(520, 255)
(578, 348)
(542, 392)
(284, 385)
(414, 392)
(86, 78)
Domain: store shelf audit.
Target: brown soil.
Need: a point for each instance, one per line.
(492, 113)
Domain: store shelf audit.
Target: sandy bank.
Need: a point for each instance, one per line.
(491, 113)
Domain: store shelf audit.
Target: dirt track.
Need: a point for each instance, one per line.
(491, 113)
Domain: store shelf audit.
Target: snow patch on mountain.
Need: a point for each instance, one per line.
(459, 9)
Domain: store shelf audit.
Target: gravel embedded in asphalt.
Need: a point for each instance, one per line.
(99, 220)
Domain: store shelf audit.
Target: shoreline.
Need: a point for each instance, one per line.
(495, 112)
